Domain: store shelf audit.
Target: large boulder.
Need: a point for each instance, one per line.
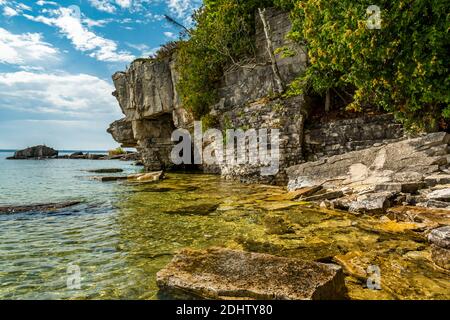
(227, 274)
(37, 152)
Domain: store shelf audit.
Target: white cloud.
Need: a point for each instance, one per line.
(9, 12)
(139, 47)
(103, 5)
(170, 35)
(13, 8)
(151, 52)
(144, 50)
(124, 3)
(77, 96)
(82, 38)
(96, 23)
(183, 8)
(23, 6)
(25, 49)
(43, 3)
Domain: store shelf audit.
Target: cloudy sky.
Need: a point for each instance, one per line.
(56, 62)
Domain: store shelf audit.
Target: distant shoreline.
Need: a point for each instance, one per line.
(63, 151)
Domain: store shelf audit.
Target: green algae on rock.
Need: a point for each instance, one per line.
(240, 223)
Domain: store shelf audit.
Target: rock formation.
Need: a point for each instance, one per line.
(227, 274)
(37, 152)
(408, 172)
(122, 131)
(147, 95)
(406, 161)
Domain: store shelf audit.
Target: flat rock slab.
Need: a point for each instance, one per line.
(407, 187)
(110, 178)
(228, 274)
(435, 180)
(372, 203)
(38, 207)
(440, 195)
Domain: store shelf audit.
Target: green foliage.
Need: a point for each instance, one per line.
(209, 122)
(223, 35)
(116, 152)
(402, 67)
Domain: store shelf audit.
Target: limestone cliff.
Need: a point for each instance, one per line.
(147, 95)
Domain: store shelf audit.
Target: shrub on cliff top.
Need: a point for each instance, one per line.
(402, 67)
(222, 36)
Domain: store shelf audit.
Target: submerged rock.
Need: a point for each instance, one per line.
(110, 178)
(440, 249)
(325, 196)
(441, 257)
(38, 207)
(106, 171)
(428, 216)
(227, 274)
(196, 210)
(153, 176)
(277, 225)
(37, 152)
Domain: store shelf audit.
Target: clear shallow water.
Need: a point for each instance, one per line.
(32, 181)
(123, 234)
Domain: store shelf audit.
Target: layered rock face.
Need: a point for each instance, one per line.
(255, 79)
(287, 116)
(147, 95)
(341, 136)
(406, 161)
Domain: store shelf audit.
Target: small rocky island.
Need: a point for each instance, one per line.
(43, 152)
(36, 152)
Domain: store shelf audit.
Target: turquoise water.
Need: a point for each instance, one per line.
(36, 248)
(44, 181)
(123, 234)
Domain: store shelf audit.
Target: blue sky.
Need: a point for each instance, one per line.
(56, 62)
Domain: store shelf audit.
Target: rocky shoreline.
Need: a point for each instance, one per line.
(404, 186)
(44, 152)
(365, 165)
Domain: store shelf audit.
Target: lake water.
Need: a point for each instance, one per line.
(123, 234)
